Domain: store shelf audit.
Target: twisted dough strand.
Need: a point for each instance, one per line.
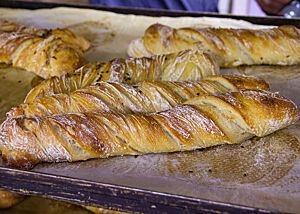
(229, 47)
(185, 65)
(204, 121)
(142, 97)
(44, 52)
(63, 33)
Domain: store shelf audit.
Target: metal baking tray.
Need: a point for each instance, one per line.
(257, 176)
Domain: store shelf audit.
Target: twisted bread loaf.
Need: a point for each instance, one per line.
(229, 47)
(142, 97)
(185, 65)
(44, 52)
(204, 121)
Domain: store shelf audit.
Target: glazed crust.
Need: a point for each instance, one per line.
(229, 47)
(44, 52)
(142, 97)
(185, 65)
(203, 121)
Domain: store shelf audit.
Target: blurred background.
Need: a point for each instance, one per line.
(287, 8)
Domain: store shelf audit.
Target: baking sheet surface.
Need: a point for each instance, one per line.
(261, 172)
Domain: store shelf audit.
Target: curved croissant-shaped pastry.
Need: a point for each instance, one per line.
(185, 65)
(204, 121)
(65, 34)
(7, 26)
(230, 47)
(44, 52)
(142, 97)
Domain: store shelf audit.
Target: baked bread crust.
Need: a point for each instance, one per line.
(44, 52)
(142, 97)
(65, 34)
(204, 121)
(181, 66)
(229, 47)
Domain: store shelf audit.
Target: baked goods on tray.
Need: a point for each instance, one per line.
(229, 47)
(141, 97)
(204, 121)
(44, 52)
(185, 65)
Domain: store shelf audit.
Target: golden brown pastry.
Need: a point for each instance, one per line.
(185, 65)
(6, 26)
(44, 52)
(203, 121)
(65, 34)
(142, 97)
(8, 199)
(229, 47)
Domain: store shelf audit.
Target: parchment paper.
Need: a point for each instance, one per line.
(261, 172)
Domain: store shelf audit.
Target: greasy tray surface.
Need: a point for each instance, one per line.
(261, 172)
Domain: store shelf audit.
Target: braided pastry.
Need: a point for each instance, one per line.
(142, 97)
(185, 65)
(44, 52)
(204, 121)
(229, 47)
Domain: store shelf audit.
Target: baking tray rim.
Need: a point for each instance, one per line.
(16, 174)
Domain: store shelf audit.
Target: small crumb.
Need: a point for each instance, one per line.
(153, 206)
(191, 171)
